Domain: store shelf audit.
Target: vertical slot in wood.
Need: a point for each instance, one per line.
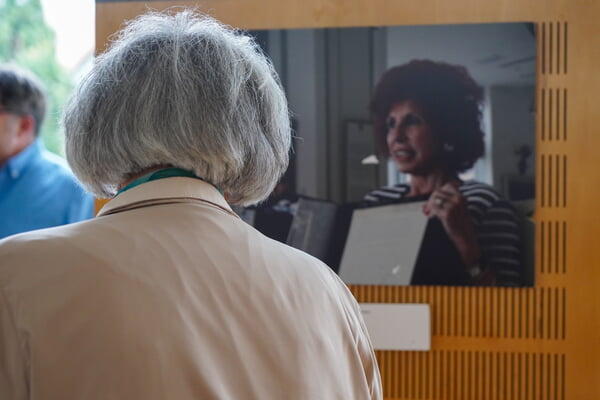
(564, 181)
(550, 47)
(549, 246)
(564, 247)
(558, 48)
(565, 42)
(556, 316)
(540, 321)
(556, 247)
(550, 115)
(543, 113)
(557, 112)
(543, 47)
(550, 181)
(564, 313)
(564, 119)
(559, 181)
(542, 239)
(543, 180)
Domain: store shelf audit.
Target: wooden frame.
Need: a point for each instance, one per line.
(489, 343)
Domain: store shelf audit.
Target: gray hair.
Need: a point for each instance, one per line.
(181, 90)
(22, 93)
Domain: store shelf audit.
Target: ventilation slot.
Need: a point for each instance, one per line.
(553, 171)
(553, 47)
(553, 114)
(553, 247)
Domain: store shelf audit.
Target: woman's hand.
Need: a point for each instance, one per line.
(450, 206)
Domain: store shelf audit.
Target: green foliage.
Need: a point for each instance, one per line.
(26, 40)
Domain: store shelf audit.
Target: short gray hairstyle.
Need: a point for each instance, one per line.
(180, 89)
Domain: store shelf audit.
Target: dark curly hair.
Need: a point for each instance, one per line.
(451, 102)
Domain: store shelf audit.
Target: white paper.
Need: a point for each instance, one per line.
(383, 244)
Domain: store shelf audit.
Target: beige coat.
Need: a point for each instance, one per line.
(169, 295)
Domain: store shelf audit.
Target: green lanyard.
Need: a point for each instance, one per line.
(164, 173)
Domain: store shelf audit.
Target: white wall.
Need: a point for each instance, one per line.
(492, 53)
(328, 77)
(305, 92)
(349, 79)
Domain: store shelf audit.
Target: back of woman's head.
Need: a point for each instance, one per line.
(185, 91)
(450, 99)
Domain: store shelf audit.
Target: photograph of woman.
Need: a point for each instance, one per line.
(428, 121)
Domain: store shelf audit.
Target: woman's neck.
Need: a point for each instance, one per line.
(425, 184)
(138, 175)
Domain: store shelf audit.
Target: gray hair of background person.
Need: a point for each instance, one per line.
(22, 93)
(182, 90)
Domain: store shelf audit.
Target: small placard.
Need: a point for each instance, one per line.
(398, 326)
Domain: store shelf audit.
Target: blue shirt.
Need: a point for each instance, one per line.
(38, 190)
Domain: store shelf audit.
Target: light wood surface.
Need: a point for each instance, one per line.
(526, 343)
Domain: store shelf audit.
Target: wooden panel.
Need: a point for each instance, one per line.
(553, 118)
(552, 238)
(98, 204)
(552, 178)
(479, 312)
(274, 14)
(475, 375)
(553, 39)
(490, 343)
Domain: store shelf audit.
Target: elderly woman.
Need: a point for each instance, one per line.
(427, 118)
(167, 293)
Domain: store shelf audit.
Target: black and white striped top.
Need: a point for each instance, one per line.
(497, 226)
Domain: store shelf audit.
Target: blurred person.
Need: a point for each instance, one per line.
(167, 293)
(427, 119)
(37, 188)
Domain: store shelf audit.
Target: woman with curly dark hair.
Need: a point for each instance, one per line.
(427, 119)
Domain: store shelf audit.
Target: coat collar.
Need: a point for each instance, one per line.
(173, 189)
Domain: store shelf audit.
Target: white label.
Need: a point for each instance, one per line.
(398, 326)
